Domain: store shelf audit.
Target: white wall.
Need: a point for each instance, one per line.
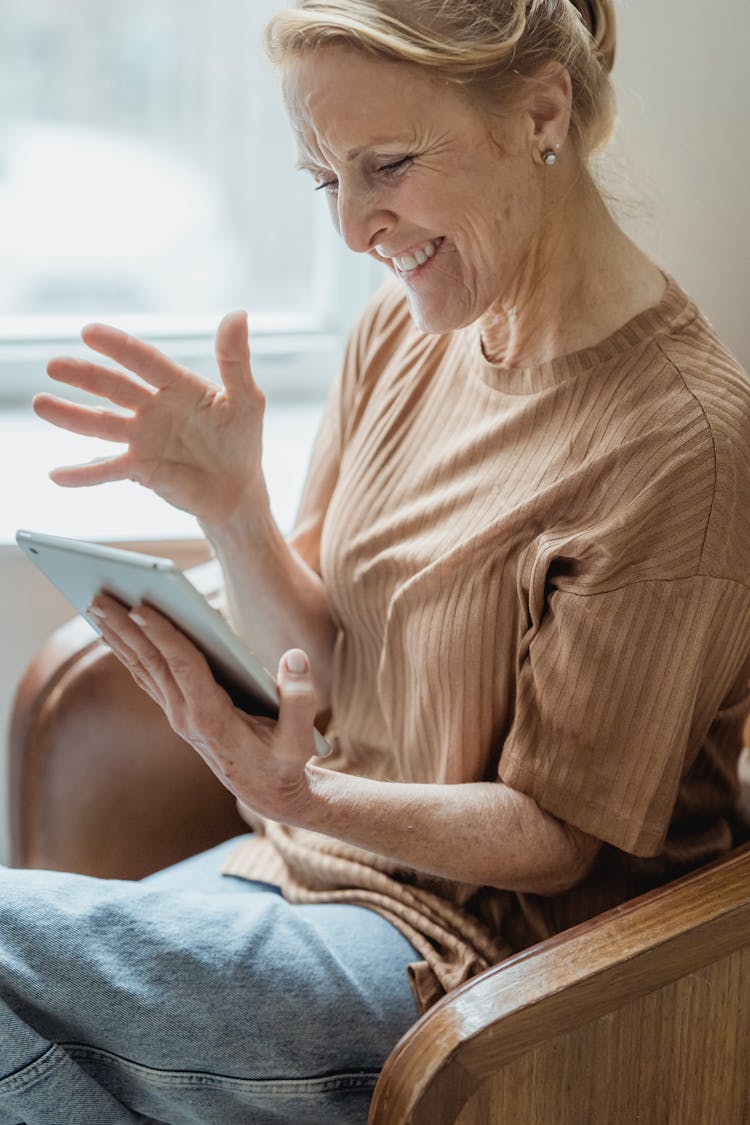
(683, 85)
(682, 159)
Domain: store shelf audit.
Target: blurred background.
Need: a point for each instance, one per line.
(143, 154)
(146, 178)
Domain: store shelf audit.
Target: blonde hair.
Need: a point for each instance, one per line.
(487, 47)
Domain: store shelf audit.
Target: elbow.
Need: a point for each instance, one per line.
(574, 861)
(559, 867)
(543, 855)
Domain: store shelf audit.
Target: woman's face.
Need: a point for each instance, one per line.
(415, 178)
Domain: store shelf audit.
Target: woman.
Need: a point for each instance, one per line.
(516, 593)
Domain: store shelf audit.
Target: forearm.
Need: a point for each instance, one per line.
(274, 600)
(481, 833)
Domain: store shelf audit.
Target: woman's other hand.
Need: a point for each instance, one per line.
(261, 761)
(196, 444)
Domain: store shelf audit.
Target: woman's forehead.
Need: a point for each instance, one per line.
(340, 99)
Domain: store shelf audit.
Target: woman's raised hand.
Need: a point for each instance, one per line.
(196, 444)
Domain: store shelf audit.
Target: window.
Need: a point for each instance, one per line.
(147, 179)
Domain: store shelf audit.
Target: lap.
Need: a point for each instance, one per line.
(190, 974)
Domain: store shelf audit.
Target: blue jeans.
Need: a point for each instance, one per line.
(191, 998)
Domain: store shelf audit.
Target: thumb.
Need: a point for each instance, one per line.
(297, 695)
(233, 352)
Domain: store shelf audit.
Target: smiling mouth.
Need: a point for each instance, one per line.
(414, 264)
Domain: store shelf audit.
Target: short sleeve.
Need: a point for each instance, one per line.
(615, 693)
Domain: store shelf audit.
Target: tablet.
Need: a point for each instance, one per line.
(81, 570)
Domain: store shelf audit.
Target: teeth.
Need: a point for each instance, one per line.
(406, 263)
(410, 261)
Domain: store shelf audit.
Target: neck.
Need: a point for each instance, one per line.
(580, 281)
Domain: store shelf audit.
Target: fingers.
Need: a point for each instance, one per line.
(134, 354)
(178, 668)
(169, 666)
(122, 637)
(92, 421)
(233, 353)
(146, 361)
(104, 470)
(298, 706)
(97, 380)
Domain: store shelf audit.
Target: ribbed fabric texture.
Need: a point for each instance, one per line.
(540, 576)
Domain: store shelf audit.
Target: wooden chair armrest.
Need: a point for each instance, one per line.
(99, 782)
(562, 1031)
(587, 1027)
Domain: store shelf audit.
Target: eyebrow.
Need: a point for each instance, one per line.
(309, 166)
(353, 154)
(313, 166)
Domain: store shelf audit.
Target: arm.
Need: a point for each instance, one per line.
(198, 446)
(480, 833)
(275, 600)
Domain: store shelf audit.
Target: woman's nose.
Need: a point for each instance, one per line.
(361, 220)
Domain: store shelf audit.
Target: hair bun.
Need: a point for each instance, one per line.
(599, 19)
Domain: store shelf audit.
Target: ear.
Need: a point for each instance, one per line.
(548, 103)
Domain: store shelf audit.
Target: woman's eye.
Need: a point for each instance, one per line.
(387, 170)
(397, 166)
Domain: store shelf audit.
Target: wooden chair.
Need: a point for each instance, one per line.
(641, 1015)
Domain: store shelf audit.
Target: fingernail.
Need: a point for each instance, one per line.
(96, 612)
(296, 662)
(137, 618)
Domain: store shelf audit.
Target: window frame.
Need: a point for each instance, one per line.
(297, 353)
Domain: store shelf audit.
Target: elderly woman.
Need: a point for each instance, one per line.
(517, 597)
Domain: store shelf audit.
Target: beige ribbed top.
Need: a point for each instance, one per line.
(541, 576)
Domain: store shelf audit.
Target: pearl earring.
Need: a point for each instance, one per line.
(549, 156)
